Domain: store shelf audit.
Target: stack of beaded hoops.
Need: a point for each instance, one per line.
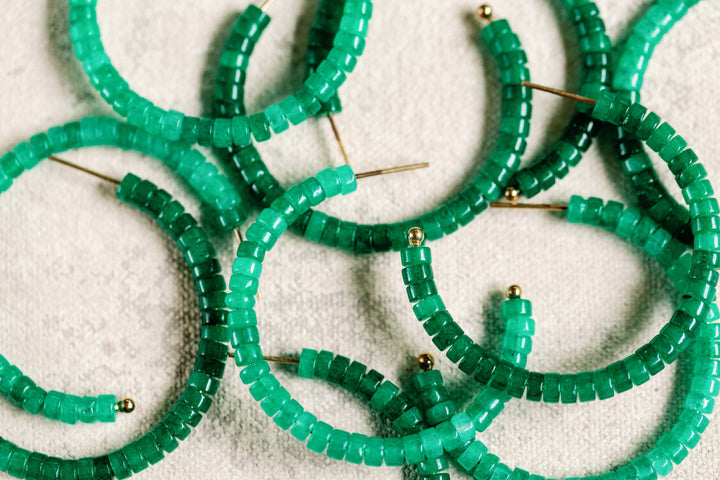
(585, 395)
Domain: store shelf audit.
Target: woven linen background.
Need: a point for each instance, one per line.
(96, 299)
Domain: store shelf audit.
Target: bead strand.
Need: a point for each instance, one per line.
(595, 49)
(458, 211)
(323, 29)
(628, 78)
(221, 133)
(203, 383)
(210, 185)
(22, 391)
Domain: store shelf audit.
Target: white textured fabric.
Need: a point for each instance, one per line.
(96, 299)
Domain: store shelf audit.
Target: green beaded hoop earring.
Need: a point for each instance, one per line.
(627, 80)
(595, 49)
(203, 383)
(459, 210)
(348, 44)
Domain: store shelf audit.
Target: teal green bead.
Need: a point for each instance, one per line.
(672, 447)
(329, 181)
(247, 266)
(69, 409)
(412, 444)
(585, 386)
(705, 207)
(431, 443)
(306, 366)
(440, 412)
(415, 255)
(472, 456)
(253, 372)
(119, 464)
(313, 191)
(315, 226)
(628, 222)
(356, 448)
(427, 307)
(374, 452)
(276, 118)
(240, 131)
(353, 377)
(292, 110)
(660, 137)
(259, 127)
(164, 438)
(222, 133)
(648, 126)
(322, 364)
(576, 207)
(303, 426)
(432, 467)
(149, 449)
(459, 348)
(275, 400)
(568, 389)
(383, 395)
(134, 457)
(637, 371)
(393, 451)
(551, 388)
(409, 421)
(486, 466)
(18, 464)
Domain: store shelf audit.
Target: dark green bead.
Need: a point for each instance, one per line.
(338, 369)
(353, 377)
(535, 386)
(551, 388)
(370, 384)
(619, 376)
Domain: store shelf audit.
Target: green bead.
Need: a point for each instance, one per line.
(304, 424)
(551, 388)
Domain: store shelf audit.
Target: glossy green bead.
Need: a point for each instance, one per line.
(356, 448)
(374, 451)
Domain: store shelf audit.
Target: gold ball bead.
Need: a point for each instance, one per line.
(512, 194)
(416, 236)
(426, 361)
(485, 12)
(513, 291)
(126, 405)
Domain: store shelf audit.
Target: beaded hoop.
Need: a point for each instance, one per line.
(627, 80)
(692, 310)
(348, 44)
(195, 399)
(595, 50)
(209, 184)
(459, 210)
(457, 434)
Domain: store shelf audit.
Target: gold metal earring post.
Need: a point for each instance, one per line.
(385, 171)
(374, 173)
(531, 206)
(343, 152)
(85, 170)
(270, 358)
(561, 93)
(266, 5)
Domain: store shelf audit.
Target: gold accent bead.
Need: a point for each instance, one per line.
(512, 194)
(485, 12)
(513, 291)
(126, 405)
(426, 361)
(416, 236)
